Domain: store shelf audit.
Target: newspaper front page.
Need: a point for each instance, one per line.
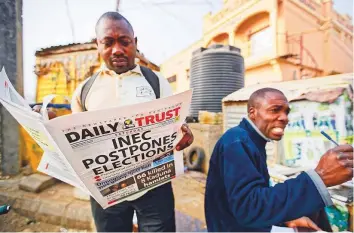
(113, 154)
(120, 152)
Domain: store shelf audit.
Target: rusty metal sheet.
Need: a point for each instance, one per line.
(322, 96)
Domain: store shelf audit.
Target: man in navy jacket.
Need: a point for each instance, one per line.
(238, 196)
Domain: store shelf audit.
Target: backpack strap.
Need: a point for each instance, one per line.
(152, 79)
(85, 90)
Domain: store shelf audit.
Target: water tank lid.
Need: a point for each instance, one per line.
(217, 47)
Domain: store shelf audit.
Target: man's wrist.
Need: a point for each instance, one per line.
(320, 185)
(320, 174)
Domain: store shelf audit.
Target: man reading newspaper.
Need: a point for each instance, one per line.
(121, 82)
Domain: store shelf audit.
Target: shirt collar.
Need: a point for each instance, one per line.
(256, 129)
(105, 70)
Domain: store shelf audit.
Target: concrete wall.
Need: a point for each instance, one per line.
(300, 19)
(340, 57)
(179, 66)
(263, 74)
(11, 59)
(220, 39)
(247, 28)
(289, 71)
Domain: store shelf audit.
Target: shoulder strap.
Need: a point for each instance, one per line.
(152, 79)
(85, 90)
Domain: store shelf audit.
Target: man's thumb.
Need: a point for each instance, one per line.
(291, 224)
(312, 225)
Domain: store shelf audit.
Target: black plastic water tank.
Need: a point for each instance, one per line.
(215, 72)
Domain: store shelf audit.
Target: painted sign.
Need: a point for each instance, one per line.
(303, 143)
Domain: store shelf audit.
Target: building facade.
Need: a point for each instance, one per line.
(280, 40)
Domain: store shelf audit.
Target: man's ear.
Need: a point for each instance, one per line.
(136, 40)
(252, 113)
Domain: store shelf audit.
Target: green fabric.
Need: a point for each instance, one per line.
(338, 217)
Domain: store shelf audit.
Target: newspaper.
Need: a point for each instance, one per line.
(113, 154)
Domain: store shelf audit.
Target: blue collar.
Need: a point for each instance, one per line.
(256, 136)
(257, 130)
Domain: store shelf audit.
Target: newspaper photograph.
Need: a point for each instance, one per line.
(113, 154)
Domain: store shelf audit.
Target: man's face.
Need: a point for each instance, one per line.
(114, 188)
(116, 45)
(270, 115)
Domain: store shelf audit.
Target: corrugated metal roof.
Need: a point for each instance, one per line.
(75, 47)
(58, 49)
(297, 88)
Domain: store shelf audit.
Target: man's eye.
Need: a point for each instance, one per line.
(125, 42)
(107, 43)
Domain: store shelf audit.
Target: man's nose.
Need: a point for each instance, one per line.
(284, 118)
(117, 49)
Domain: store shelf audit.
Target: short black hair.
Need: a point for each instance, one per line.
(260, 94)
(112, 15)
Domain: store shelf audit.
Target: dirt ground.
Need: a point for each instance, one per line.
(188, 189)
(13, 222)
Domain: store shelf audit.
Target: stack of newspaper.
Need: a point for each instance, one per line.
(112, 154)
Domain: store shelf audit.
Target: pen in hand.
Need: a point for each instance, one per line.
(329, 138)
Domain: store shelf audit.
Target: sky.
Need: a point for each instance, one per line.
(163, 27)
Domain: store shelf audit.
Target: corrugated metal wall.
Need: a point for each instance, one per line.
(60, 74)
(232, 116)
(52, 82)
